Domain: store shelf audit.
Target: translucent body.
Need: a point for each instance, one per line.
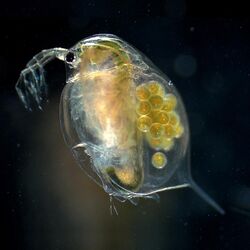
(118, 108)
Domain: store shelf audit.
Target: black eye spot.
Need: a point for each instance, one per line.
(70, 57)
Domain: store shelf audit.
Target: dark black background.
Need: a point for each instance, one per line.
(46, 200)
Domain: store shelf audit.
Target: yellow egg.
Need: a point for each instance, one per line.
(162, 117)
(143, 123)
(179, 130)
(143, 108)
(142, 93)
(156, 130)
(154, 88)
(154, 143)
(174, 118)
(159, 160)
(156, 101)
(170, 103)
(166, 144)
(169, 131)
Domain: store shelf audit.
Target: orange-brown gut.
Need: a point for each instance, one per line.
(108, 87)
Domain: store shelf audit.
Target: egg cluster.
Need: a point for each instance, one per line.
(157, 119)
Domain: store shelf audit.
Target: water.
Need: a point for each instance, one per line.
(49, 203)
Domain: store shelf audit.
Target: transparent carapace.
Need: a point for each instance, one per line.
(119, 109)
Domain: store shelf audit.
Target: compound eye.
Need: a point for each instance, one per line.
(70, 57)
